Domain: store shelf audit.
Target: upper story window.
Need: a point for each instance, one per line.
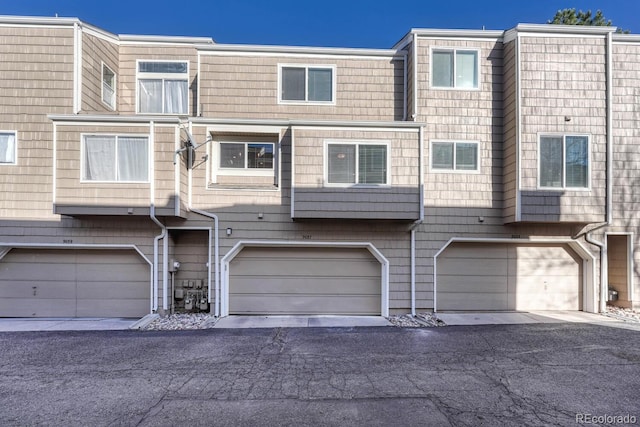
(456, 156)
(118, 158)
(8, 148)
(245, 161)
(357, 163)
(163, 87)
(563, 161)
(307, 84)
(454, 68)
(108, 86)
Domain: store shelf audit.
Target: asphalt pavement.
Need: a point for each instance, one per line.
(527, 374)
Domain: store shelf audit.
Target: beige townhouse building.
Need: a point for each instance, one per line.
(459, 170)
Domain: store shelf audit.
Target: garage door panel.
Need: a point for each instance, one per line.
(307, 267)
(43, 289)
(105, 307)
(113, 290)
(473, 267)
(481, 301)
(293, 304)
(473, 283)
(30, 307)
(541, 301)
(12, 267)
(300, 285)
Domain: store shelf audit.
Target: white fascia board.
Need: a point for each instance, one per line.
(306, 123)
(214, 49)
(104, 118)
(465, 34)
(133, 38)
(626, 38)
(38, 20)
(564, 29)
(100, 33)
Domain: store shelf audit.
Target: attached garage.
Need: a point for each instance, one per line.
(74, 283)
(502, 276)
(305, 281)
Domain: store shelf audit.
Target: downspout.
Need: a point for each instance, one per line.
(419, 221)
(216, 250)
(604, 263)
(152, 215)
(156, 241)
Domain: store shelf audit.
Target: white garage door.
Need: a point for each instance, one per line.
(305, 281)
(74, 283)
(488, 277)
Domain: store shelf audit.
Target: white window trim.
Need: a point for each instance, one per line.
(454, 50)
(169, 76)
(564, 156)
(454, 170)
(356, 143)
(306, 67)
(116, 135)
(115, 87)
(15, 148)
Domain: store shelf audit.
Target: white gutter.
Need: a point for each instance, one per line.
(293, 173)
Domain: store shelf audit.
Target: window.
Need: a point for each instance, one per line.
(454, 156)
(108, 87)
(454, 68)
(312, 84)
(115, 158)
(564, 161)
(245, 161)
(163, 87)
(8, 148)
(246, 155)
(363, 163)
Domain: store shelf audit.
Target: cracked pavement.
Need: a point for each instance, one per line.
(538, 374)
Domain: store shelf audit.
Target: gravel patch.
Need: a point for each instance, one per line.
(176, 322)
(420, 320)
(625, 314)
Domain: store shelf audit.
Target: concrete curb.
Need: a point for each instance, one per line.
(145, 321)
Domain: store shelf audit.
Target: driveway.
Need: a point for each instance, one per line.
(534, 374)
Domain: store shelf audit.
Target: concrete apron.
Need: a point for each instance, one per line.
(65, 324)
(232, 322)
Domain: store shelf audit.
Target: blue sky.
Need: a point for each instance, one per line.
(342, 23)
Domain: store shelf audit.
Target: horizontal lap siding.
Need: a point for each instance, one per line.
(243, 86)
(36, 79)
(563, 77)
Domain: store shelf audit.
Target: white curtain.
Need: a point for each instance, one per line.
(133, 159)
(100, 157)
(7, 148)
(175, 96)
(150, 94)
